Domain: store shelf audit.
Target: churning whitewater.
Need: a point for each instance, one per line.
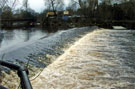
(103, 59)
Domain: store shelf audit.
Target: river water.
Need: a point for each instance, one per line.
(36, 47)
(23, 45)
(10, 38)
(102, 59)
(110, 54)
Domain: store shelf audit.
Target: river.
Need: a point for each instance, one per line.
(110, 54)
(35, 46)
(22, 45)
(102, 59)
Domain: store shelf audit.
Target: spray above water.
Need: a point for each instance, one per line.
(102, 59)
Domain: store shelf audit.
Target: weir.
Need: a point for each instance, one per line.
(42, 50)
(103, 59)
(44, 45)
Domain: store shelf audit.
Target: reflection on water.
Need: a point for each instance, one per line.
(9, 38)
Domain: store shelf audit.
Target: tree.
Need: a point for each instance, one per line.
(7, 7)
(128, 8)
(54, 5)
(8, 3)
(25, 4)
(2, 3)
(7, 13)
(12, 3)
(91, 5)
(107, 2)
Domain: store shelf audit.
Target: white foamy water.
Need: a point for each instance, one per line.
(103, 59)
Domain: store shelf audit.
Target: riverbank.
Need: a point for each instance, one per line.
(103, 59)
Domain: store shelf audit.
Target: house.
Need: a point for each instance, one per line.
(66, 13)
(51, 14)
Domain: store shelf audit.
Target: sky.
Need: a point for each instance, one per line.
(39, 5)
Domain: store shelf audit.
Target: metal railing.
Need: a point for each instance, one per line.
(22, 73)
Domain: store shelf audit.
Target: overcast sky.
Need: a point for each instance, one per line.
(39, 5)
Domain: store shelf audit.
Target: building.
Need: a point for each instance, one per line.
(66, 13)
(51, 14)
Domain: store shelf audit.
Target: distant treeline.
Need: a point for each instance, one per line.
(109, 12)
(122, 11)
(90, 12)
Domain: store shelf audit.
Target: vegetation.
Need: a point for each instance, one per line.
(92, 12)
(107, 12)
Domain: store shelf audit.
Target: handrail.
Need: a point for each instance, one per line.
(22, 73)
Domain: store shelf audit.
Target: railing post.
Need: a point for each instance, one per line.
(22, 73)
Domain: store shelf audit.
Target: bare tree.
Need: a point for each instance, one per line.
(79, 3)
(12, 3)
(91, 4)
(87, 7)
(54, 4)
(25, 4)
(2, 3)
(8, 3)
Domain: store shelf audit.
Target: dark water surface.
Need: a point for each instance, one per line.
(21, 45)
(10, 38)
